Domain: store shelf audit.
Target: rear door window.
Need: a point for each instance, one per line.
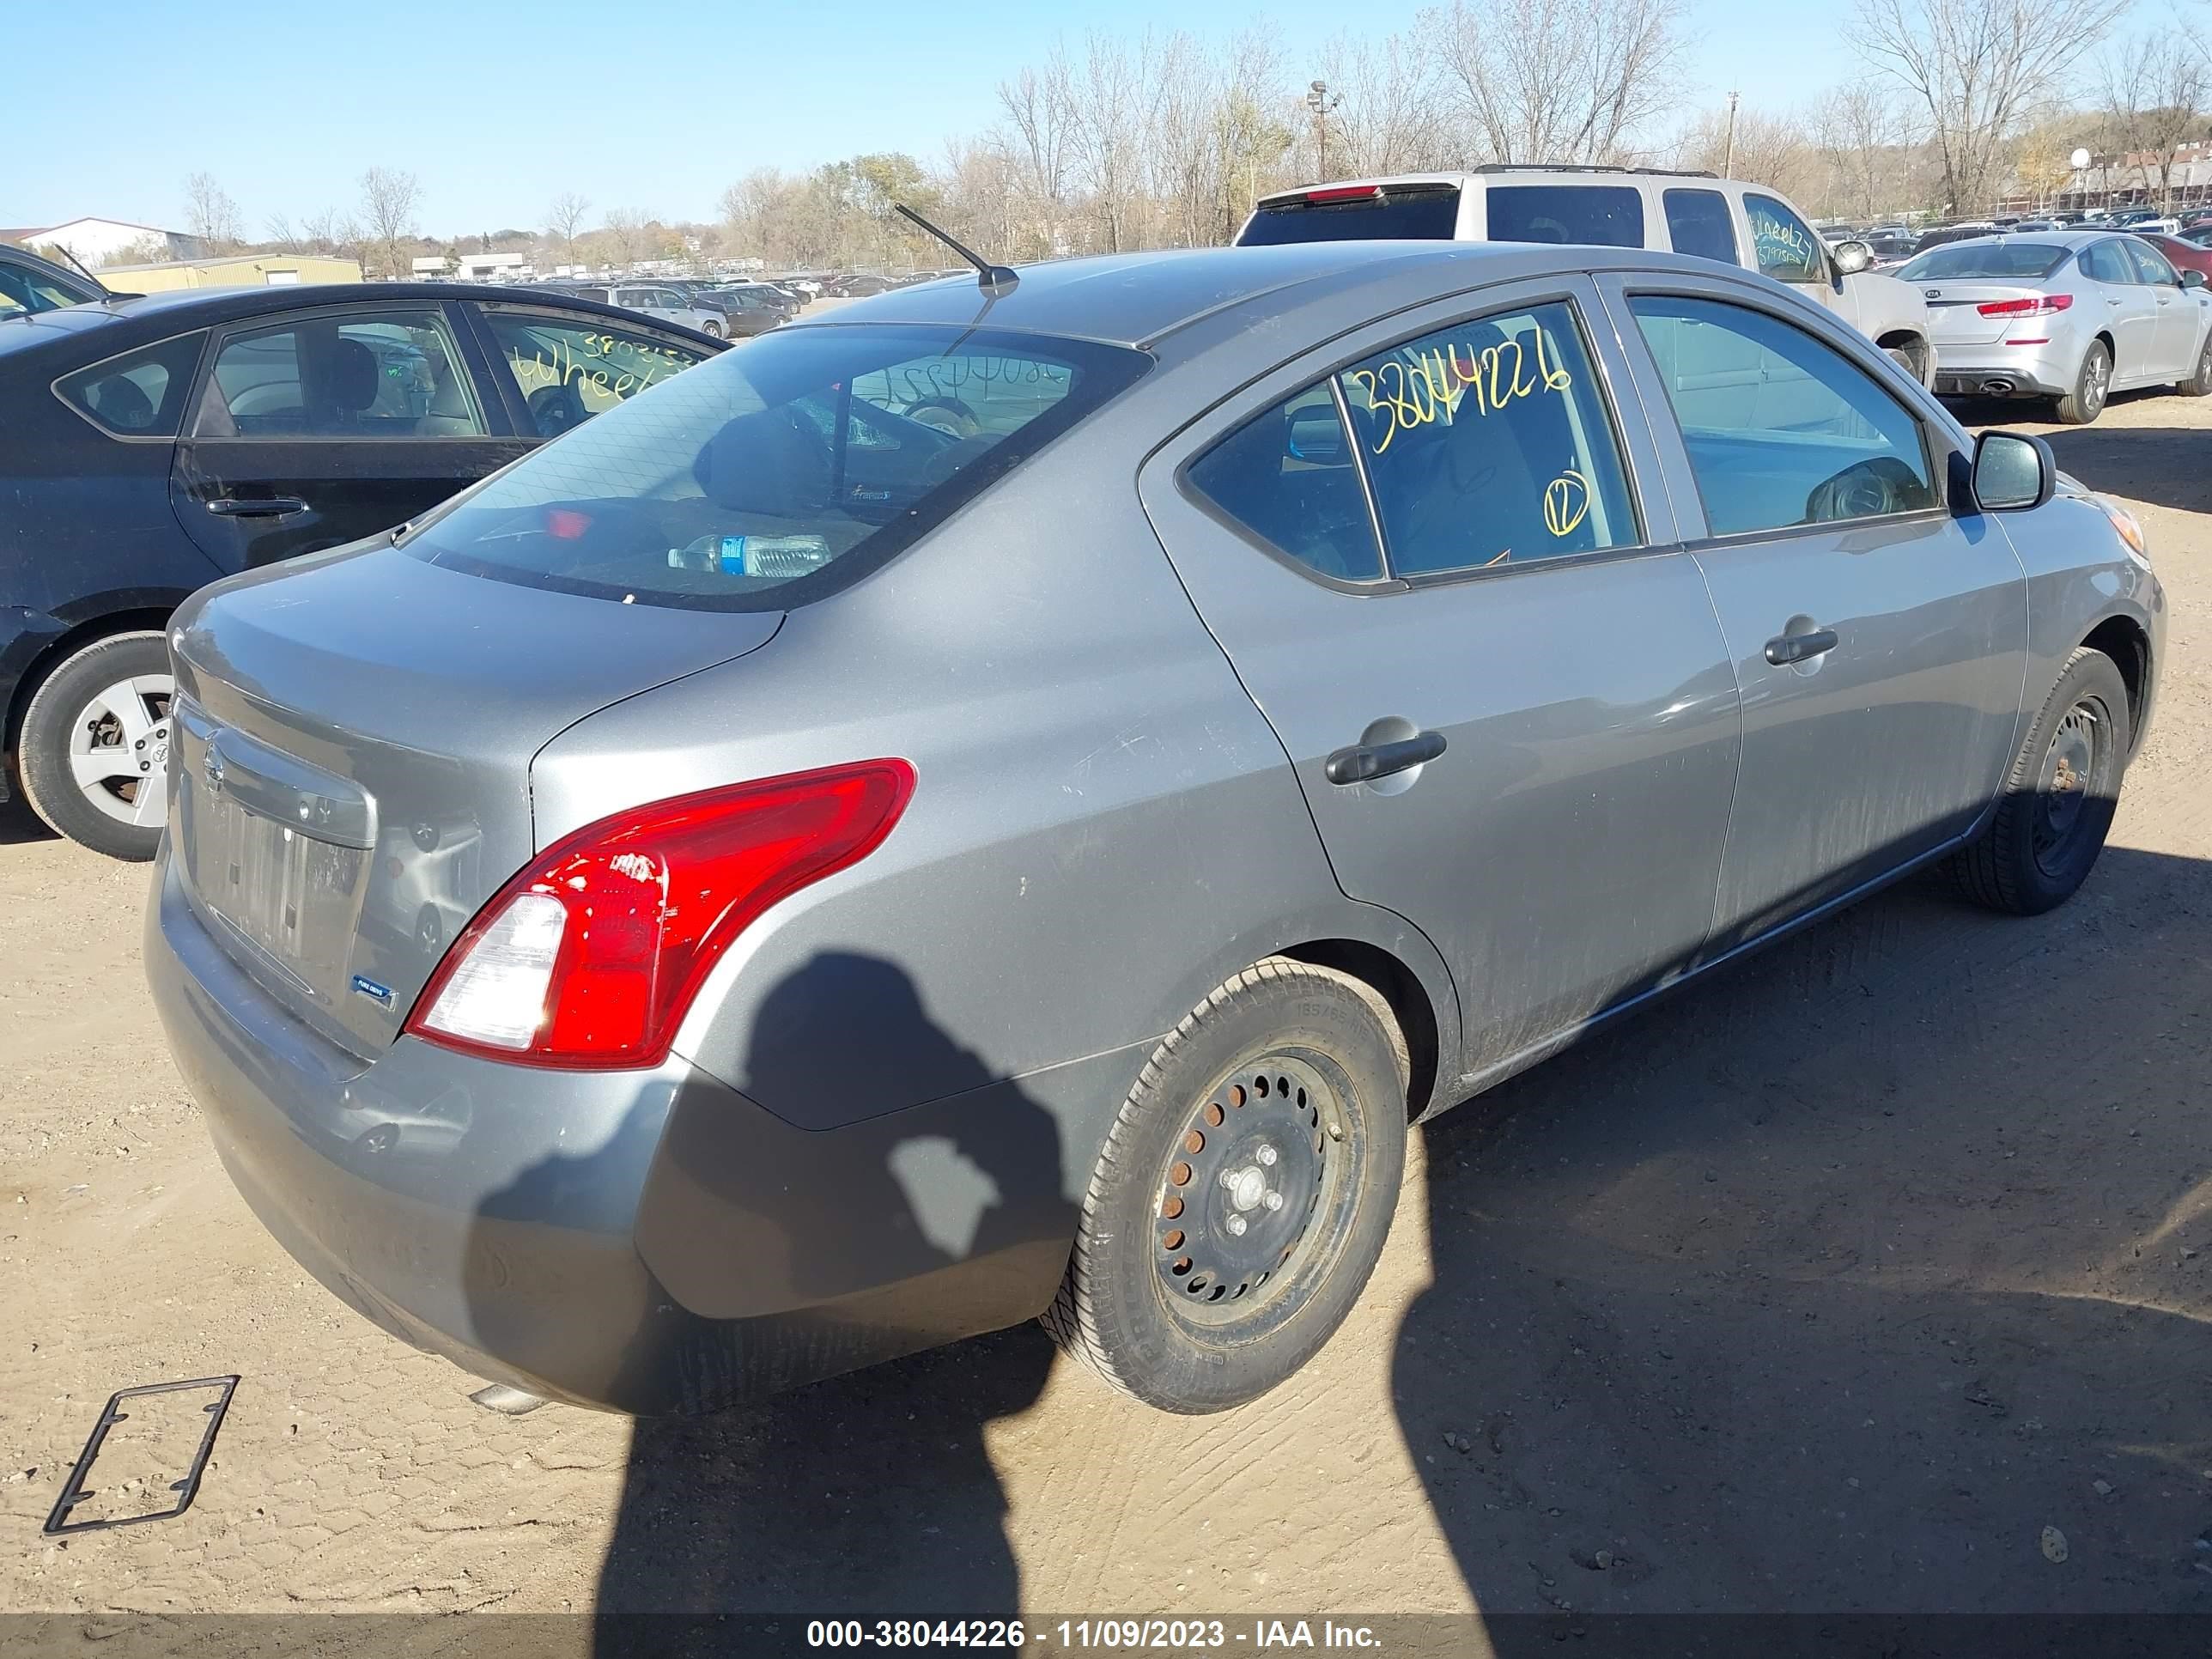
(1489, 443)
(1609, 215)
(1289, 477)
(777, 473)
(140, 394)
(1785, 246)
(379, 375)
(2105, 262)
(1781, 429)
(1698, 223)
(1427, 213)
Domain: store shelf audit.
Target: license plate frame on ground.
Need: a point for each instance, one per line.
(74, 1492)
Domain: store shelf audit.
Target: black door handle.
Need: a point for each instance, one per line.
(281, 506)
(1786, 648)
(1365, 761)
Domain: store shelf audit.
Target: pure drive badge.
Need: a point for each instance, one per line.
(378, 994)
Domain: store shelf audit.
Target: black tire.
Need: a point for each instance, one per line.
(1905, 360)
(64, 703)
(708, 325)
(1160, 1299)
(2059, 795)
(2199, 385)
(2092, 387)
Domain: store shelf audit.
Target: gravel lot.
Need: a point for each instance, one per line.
(1829, 1284)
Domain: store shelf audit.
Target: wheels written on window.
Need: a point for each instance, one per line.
(94, 748)
(1244, 1193)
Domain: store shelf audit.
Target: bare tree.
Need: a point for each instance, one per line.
(332, 232)
(1769, 149)
(2175, 82)
(1035, 139)
(627, 233)
(388, 202)
(1563, 81)
(566, 213)
(1978, 65)
(1866, 139)
(210, 215)
(1396, 116)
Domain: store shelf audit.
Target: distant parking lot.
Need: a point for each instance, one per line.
(1832, 1284)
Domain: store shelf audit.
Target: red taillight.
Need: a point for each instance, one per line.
(1346, 193)
(2035, 307)
(591, 957)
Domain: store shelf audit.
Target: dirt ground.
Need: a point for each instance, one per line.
(1828, 1286)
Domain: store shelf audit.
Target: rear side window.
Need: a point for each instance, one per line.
(1429, 214)
(1698, 223)
(140, 394)
(1781, 429)
(2104, 263)
(1289, 477)
(770, 476)
(1610, 216)
(1488, 443)
(1786, 248)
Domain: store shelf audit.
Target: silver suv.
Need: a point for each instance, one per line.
(1694, 213)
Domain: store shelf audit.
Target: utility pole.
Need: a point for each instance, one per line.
(1321, 101)
(1728, 163)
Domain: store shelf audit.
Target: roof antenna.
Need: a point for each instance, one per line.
(993, 280)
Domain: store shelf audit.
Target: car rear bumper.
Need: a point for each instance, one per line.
(2001, 371)
(650, 1242)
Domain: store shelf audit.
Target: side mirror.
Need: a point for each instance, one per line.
(2013, 471)
(1852, 258)
(2192, 279)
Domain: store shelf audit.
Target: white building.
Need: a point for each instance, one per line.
(491, 267)
(430, 267)
(96, 241)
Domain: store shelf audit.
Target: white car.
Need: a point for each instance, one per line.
(665, 305)
(1694, 213)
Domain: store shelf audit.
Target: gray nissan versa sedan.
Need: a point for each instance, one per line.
(767, 883)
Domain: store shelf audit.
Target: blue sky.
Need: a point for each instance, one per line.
(498, 108)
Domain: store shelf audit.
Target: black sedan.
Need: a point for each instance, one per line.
(149, 446)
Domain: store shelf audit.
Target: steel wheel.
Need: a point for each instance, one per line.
(118, 750)
(1242, 1195)
(2073, 766)
(1251, 1192)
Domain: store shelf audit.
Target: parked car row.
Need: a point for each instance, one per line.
(810, 957)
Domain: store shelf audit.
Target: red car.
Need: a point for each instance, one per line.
(2186, 255)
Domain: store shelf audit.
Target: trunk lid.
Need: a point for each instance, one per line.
(1955, 315)
(350, 772)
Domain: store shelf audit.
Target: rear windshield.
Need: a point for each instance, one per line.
(2014, 260)
(771, 475)
(1610, 216)
(1424, 216)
